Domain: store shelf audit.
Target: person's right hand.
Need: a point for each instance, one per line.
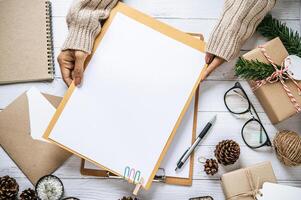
(72, 65)
(213, 62)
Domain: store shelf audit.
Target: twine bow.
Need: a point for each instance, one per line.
(254, 188)
(279, 75)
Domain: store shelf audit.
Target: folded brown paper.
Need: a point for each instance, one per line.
(35, 158)
(242, 184)
(272, 96)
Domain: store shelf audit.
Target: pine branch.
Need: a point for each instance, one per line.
(271, 28)
(253, 70)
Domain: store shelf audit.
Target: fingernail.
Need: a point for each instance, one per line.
(77, 81)
(207, 59)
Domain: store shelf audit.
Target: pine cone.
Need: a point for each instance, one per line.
(129, 198)
(227, 152)
(28, 194)
(9, 188)
(211, 167)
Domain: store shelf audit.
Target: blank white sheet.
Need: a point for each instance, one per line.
(40, 113)
(180, 143)
(133, 92)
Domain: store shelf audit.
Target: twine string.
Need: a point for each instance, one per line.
(288, 147)
(279, 75)
(255, 190)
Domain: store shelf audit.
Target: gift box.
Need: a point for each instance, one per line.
(244, 184)
(272, 96)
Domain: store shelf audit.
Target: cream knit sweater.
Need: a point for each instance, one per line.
(237, 23)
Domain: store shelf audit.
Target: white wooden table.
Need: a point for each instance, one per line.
(190, 16)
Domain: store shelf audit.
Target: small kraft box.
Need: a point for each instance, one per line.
(272, 96)
(244, 184)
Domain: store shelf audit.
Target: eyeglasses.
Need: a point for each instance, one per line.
(253, 133)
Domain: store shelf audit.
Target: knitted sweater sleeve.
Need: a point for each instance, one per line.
(83, 20)
(237, 23)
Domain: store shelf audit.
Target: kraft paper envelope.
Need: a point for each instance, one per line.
(34, 157)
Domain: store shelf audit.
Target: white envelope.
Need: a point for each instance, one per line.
(40, 113)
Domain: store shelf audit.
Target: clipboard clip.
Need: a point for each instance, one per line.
(160, 175)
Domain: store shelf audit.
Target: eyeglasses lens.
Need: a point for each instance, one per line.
(253, 134)
(236, 101)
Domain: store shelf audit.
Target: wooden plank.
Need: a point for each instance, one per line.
(95, 189)
(188, 9)
(211, 93)
(60, 7)
(212, 96)
(9, 92)
(248, 157)
(225, 72)
(203, 26)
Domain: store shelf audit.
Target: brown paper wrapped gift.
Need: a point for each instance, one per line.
(242, 184)
(272, 96)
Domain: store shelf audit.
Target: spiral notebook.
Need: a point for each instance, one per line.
(26, 41)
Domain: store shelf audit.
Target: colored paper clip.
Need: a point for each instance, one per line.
(132, 175)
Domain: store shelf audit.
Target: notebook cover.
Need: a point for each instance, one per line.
(35, 158)
(25, 38)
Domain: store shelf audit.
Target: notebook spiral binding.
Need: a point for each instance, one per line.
(50, 53)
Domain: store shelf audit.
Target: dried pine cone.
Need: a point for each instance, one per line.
(129, 198)
(9, 188)
(211, 167)
(227, 152)
(28, 194)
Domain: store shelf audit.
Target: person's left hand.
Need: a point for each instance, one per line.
(72, 65)
(213, 62)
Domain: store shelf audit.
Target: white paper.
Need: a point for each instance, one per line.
(40, 113)
(272, 191)
(180, 143)
(133, 92)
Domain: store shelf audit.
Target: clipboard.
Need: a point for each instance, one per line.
(166, 30)
(160, 176)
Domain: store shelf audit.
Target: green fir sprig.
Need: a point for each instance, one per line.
(253, 69)
(270, 28)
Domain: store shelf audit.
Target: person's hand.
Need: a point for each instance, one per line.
(213, 62)
(72, 65)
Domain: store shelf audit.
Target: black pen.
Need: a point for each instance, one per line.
(188, 152)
